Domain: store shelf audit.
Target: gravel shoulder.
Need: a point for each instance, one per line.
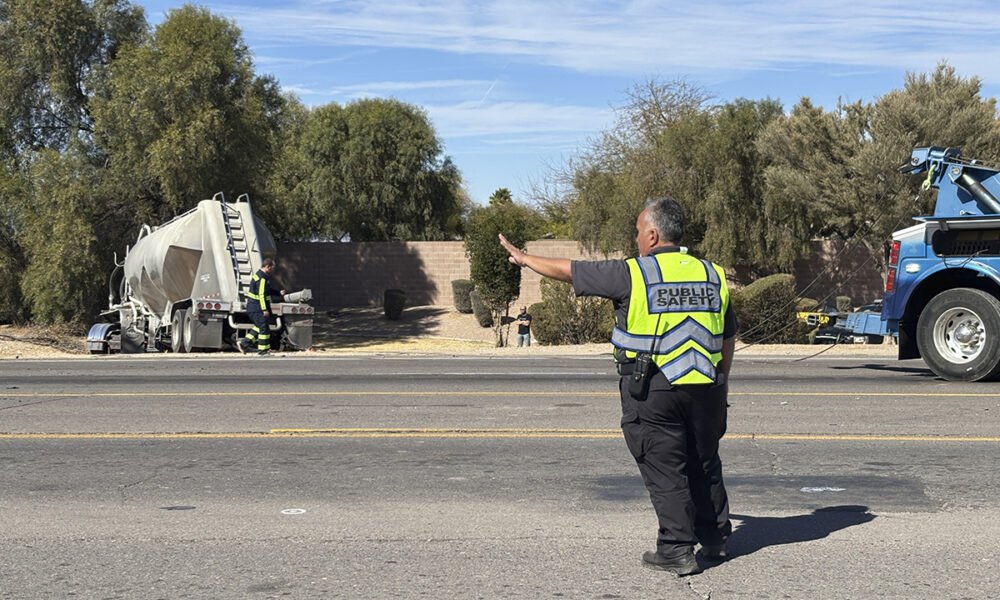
(421, 330)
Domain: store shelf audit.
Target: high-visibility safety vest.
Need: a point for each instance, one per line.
(676, 313)
(256, 291)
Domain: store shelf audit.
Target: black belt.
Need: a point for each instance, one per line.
(626, 368)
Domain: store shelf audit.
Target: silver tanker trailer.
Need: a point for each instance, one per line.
(182, 286)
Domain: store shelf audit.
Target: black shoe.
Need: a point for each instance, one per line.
(716, 552)
(263, 353)
(681, 565)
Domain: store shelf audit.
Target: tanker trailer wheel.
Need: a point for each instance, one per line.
(188, 337)
(958, 335)
(177, 331)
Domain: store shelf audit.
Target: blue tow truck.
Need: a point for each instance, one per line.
(942, 288)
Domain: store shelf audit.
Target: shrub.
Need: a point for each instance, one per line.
(537, 312)
(844, 303)
(766, 312)
(562, 318)
(544, 328)
(807, 305)
(483, 314)
(460, 290)
(393, 301)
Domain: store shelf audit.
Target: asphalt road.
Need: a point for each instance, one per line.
(383, 477)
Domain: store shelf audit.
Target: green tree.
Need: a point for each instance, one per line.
(635, 160)
(497, 281)
(64, 277)
(682, 164)
(727, 214)
(932, 109)
(291, 207)
(835, 173)
(53, 60)
(12, 260)
(186, 116)
(670, 142)
(600, 211)
(548, 196)
(372, 169)
(501, 196)
(395, 183)
(812, 157)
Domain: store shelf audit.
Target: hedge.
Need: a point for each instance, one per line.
(766, 311)
(480, 310)
(460, 290)
(562, 318)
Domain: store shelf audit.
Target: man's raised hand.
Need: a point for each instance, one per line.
(516, 256)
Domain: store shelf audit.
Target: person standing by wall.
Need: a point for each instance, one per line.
(259, 308)
(674, 344)
(523, 327)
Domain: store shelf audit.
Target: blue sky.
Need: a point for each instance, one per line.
(517, 88)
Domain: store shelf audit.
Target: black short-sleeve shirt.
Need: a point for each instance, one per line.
(524, 323)
(611, 279)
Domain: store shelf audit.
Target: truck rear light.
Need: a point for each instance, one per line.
(209, 305)
(890, 279)
(894, 253)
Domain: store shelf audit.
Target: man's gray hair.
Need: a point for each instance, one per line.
(667, 217)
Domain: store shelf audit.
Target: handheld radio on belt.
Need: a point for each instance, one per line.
(638, 383)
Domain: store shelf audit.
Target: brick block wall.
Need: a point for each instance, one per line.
(838, 268)
(357, 273)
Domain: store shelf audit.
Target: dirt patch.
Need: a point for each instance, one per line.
(40, 342)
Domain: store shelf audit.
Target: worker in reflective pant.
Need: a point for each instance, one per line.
(674, 342)
(259, 308)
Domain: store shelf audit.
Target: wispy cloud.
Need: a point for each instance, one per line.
(391, 87)
(509, 122)
(268, 61)
(642, 37)
(461, 88)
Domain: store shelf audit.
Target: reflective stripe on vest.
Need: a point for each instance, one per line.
(259, 296)
(677, 313)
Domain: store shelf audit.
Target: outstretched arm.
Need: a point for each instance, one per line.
(555, 268)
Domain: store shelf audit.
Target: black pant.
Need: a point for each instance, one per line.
(674, 437)
(261, 332)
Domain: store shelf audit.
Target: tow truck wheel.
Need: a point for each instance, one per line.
(958, 335)
(177, 331)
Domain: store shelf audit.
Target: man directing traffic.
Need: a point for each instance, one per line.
(674, 340)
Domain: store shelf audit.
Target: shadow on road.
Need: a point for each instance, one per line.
(756, 533)
(917, 371)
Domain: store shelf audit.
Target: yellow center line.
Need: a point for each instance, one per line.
(496, 394)
(276, 394)
(486, 433)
